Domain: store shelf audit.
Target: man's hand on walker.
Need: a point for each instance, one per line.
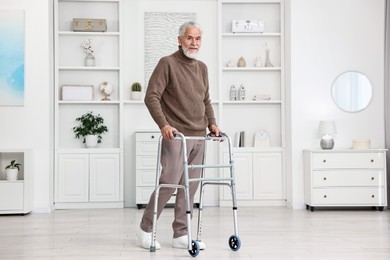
(167, 132)
(215, 131)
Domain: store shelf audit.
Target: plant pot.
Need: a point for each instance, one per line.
(136, 95)
(12, 174)
(91, 141)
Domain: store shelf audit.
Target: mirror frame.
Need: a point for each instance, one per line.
(345, 109)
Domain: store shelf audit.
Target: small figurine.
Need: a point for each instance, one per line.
(258, 62)
(233, 93)
(241, 93)
(230, 63)
(241, 62)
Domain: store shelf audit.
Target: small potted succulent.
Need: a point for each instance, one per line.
(90, 129)
(12, 170)
(136, 89)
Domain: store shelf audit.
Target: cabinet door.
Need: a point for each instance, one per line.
(267, 176)
(104, 177)
(11, 195)
(72, 181)
(243, 173)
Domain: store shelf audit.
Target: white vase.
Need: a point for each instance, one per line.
(12, 174)
(91, 141)
(89, 60)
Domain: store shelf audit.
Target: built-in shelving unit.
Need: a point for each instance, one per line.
(259, 170)
(87, 177)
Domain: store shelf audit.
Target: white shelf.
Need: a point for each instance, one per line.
(90, 68)
(251, 68)
(99, 102)
(260, 102)
(251, 34)
(89, 150)
(71, 33)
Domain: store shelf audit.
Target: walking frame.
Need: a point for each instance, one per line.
(193, 245)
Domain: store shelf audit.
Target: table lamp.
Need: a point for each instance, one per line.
(326, 130)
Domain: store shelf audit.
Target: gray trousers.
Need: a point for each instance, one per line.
(172, 172)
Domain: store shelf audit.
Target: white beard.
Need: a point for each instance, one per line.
(188, 53)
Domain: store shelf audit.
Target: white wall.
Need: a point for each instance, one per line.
(328, 38)
(30, 126)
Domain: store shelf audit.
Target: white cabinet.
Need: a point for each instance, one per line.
(259, 179)
(16, 197)
(71, 70)
(146, 163)
(259, 171)
(88, 180)
(345, 178)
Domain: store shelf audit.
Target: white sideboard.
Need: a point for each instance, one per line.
(16, 197)
(338, 178)
(146, 163)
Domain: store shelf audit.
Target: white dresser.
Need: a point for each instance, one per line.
(338, 178)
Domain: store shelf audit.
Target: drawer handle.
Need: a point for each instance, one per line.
(324, 161)
(324, 178)
(325, 196)
(372, 178)
(152, 136)
(372, 160)
(372, 196)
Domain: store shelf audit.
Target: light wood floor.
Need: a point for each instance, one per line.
(265, 233)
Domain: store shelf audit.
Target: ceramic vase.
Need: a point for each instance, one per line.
(89, 60)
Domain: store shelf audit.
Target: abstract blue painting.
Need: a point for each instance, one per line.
(12, 57)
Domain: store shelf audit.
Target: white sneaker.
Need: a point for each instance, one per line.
(182, 242)
(145, 239)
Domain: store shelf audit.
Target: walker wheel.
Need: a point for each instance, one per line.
(234, 242)
(195, 248)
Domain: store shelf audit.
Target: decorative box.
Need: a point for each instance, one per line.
(247, 26)
(77, 92)
(361, 144)
(89, 25)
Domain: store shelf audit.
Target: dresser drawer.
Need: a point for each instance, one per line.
(348, 178)
(146, 162)
(348, 160)
(146, 177)
(147, 137)
(349, 196)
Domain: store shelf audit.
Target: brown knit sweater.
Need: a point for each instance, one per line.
(178, 94)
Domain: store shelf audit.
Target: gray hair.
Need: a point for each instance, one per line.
(189, 25)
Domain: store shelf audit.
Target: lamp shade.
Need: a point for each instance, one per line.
(327, 128)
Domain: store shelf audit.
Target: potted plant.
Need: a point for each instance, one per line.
(90, 129)
(136, 89)
(12, 170)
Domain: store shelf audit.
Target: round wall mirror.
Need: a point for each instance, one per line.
(352, 91)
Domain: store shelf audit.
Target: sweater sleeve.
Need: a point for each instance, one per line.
(157, 84)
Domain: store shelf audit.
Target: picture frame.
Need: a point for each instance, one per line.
(77, 92)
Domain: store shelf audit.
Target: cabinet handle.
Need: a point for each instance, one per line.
(152, 136)
(324, 178)
(372, 178)
(372, 196)
(325, 196)
(372, 160)
(324, 161)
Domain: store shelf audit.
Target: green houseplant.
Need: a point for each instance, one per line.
(136, 89)
(12, 170)
(91, 127)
